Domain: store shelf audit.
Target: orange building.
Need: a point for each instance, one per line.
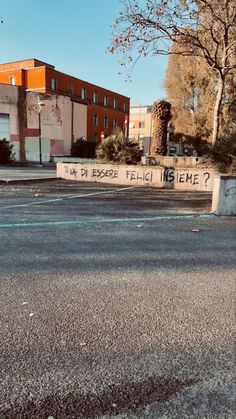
(105, 109)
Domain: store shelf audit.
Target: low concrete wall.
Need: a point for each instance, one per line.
(176, 162)
(185, 179)
(224, 195)
(69, 159)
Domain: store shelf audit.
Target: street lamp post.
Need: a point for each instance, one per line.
(40, 105)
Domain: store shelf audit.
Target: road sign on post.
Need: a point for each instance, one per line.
(102, 135)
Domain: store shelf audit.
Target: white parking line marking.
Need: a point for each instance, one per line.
(48, 201)
(107, 220)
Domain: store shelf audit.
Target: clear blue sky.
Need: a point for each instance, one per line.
(73, 35)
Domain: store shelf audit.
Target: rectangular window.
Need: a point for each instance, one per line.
(4, 126)
(138, 110)
(125, 107)
(131, 124)
(141, 124)
(105, 100)
(114, 122)
(71, 89)
(95, 97)
(83, 93)
(13, 81)
(54, 84)
(115, 104)
(106, 122)
(95, 120)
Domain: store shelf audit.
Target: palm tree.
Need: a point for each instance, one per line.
(161, 114)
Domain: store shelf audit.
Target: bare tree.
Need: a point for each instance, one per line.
(190, 88)
(203, 28)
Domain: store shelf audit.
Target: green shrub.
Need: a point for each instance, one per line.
(83, 148)
(119, 149)
(223, 154)
(6, 154)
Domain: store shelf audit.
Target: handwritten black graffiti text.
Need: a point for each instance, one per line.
(101, 173)
(138, 175)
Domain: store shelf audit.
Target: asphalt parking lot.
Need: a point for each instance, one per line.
(115, 302)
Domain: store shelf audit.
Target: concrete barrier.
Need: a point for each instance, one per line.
(69, 159)
(173, 161)
(224, 195)
(184, 179)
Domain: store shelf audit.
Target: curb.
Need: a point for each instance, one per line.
(32, 180)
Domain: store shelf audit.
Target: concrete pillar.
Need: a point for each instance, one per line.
(224, 195)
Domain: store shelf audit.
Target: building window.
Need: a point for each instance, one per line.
(95, 97)
(54, 84)
(83, 93)
(13, 81)
(115, 104)
(141, 124)
(114, 122)
(105, 100)
(95, 120)
(71, 89)
(125, 107)
(138, 110)
(106, 122)
(4, 126)
(131, 124)
(95, 137)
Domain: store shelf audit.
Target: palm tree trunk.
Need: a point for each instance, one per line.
(161, 114)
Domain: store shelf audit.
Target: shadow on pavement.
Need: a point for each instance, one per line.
(114, 400)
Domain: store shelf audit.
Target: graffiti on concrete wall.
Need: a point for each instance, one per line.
(230, 191)
(178, 176)
(142, 175)
(169, 177)
(102, 173)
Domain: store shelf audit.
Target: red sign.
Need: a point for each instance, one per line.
(102, 135)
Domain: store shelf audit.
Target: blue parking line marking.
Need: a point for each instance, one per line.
(106, 220)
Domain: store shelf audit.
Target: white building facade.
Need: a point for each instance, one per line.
(28, 117)
(140, 126)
